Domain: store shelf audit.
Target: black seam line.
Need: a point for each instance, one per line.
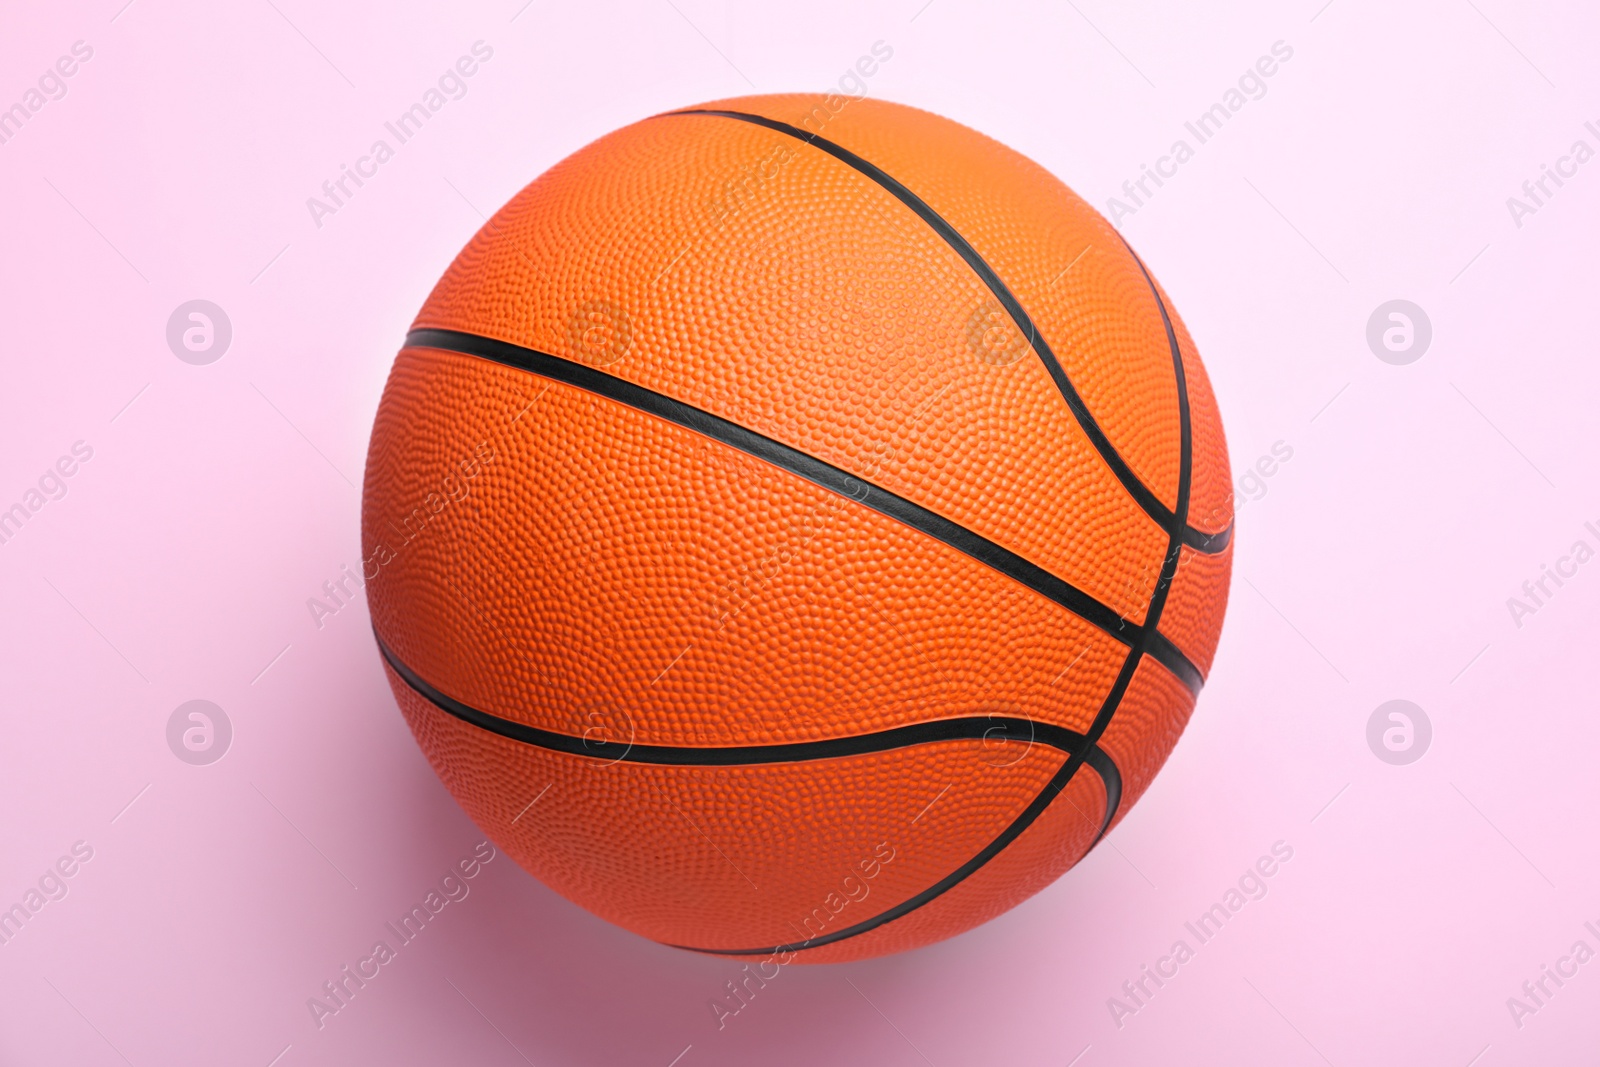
(969, 728)
(1141, 493)
(1208, 544)
(814, 470)
(1150, 638)
(1036, 808)
(966, 728)
(1143, 645)
(1146, 641)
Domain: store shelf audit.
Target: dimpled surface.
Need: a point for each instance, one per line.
(1065, 263)
(813, 308)
(1147, 724)
(741, 857)
(1193, 616)
(1211, 502)
(573, 586)
(562, 560)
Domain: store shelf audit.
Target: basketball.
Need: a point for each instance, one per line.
(797, 528)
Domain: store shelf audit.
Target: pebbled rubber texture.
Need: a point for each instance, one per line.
(555, 558)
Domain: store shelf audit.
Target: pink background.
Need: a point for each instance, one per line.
(1376, 566)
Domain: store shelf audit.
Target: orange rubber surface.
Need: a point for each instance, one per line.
(561, 560)
(729, 603)
(727, 858)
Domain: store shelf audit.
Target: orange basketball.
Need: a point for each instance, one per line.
(797, 528)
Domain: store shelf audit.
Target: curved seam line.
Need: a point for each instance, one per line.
(607, 385)
(1146, 640)
(1135, 487)
(967, 728)
(1209, 544)
(1141, 644)
(1102, 721)
(962, 728)
(1151, 637)
(819, 472)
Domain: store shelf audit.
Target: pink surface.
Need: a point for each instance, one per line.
(1375, 563)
